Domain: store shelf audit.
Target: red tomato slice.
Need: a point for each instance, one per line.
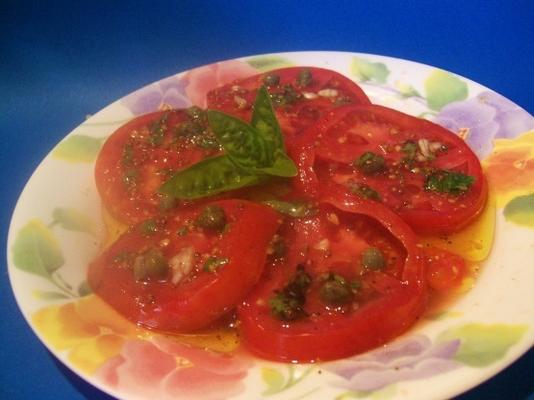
(332, 243)
(139, 156)
(300, 95)
(412, 152)
(173, 275)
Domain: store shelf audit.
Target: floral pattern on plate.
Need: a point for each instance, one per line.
(51, 243)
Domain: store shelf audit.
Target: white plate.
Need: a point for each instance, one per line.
(57, 229)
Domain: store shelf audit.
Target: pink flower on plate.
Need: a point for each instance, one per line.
(165, 369)
(203, 79)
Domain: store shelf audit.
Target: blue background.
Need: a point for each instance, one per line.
(61, 61)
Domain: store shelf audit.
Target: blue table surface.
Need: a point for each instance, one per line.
(60, 61)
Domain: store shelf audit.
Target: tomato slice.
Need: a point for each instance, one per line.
(423, 172)
(183, 272)
(139, 156)
(300, 95)
(330, 246)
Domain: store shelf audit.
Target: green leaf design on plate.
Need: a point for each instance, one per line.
(45, 295)
(406, 90)
(366, 70)
(269, 62)
(443, 88)
(277, 381)
(73, 220)
(78, 149)
(36, 250)
(520, 210)
(274, 379)
(482, 345)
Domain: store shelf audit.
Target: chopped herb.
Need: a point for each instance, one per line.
(373, 259)
(212, 264)
(335, 290)
(212, 218)
(370, 163)
(157, 130)
(189, 129)
(129, 178)
(148, 227)
(288, 304)
(364, 191)
(286, 308)
(409, 149)
(271, 79)
(127, 154)
(454, 183)
(287, 96)
(278, 248)
(304, 78)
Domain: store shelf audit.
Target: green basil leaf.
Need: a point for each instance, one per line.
(240, 141)
(208, 177)
(283, 166)
(265, 122)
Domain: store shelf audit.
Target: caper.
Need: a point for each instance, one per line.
(372, 258)
(212, 218)
(150, 265)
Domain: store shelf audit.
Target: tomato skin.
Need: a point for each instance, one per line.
(238, 97)
(128, 151)
(335, 335)
(345, 134)
(199, 299)
(444, 270)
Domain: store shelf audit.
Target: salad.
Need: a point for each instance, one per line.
(291, 210)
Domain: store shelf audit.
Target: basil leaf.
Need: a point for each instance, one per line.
(253, 152)
(208, 177)
(283, 166)
(265, 122)
(240, 141)
(454, 183)
(258, 147)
